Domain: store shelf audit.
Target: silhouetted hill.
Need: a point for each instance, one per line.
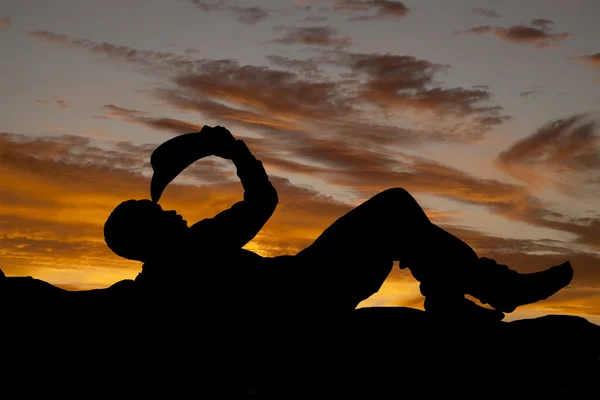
(381, 352)
(370, 353)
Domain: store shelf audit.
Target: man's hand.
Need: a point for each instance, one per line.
(224, 142)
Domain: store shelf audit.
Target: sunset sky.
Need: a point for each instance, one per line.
(486, 111)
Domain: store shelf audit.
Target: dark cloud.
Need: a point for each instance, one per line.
(270, 99)
(478, 30)
(250, 15)
(540, 34)
(533, 92)
(309, 67)
(527, 34)
(161, 124)
(5, 21)
(118, 53)
(556, 154)
(50, 36)
(281, 92)
(246, 15)
(184, 101)
(61, 102)
(405, 81)
(545, 24)
(208, 6)
(485, 12)
(592, 60)
(115, 111)
(382, 8)
(312, 36)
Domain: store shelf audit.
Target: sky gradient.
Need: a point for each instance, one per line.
(486, 111)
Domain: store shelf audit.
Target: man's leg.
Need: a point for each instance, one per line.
(359, 249)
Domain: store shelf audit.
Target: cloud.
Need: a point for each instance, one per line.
(559, 154)
(118, 53)
(534, 92)
(50, 36)
(61, 102)
(311, 36)
(280, 93)
(5, 21)
(540, 34)
(405, 81)
(545, 24)
(115, 111)
(250, 15)
(485, 12)
(140, 117)
(264, 98)
(477, 30)
(245, 15)
(382, 8)
(208, 6)
(308, 67)
(526, 34)
(591, 59)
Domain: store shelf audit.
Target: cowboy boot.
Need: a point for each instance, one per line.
(505, 289)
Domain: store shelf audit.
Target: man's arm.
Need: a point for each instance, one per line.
(235, 227)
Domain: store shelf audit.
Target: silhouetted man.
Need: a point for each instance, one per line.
(345, 265)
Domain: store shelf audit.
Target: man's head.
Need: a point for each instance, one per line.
(141, 229)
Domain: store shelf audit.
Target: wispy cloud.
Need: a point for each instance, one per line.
(365, 10)
(485, 12)
(561, 154)
(254, 95)
(246, 15)
(535, 91)
(591, 60)
(405, 81)
(544, 24)
(140, 117)
(5, 21)
(60, 101)
(538, 34)
(308, 67)
(311, 36)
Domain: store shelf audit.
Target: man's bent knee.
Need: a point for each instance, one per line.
(396, 195)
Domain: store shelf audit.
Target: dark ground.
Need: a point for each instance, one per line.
(370, 353)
